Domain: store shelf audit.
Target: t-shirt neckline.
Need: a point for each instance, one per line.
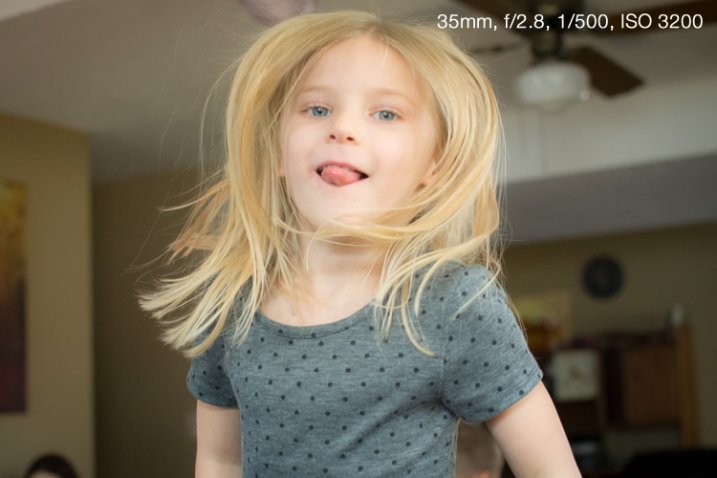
(313, 331)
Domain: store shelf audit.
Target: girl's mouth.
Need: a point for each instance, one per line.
(338, 174)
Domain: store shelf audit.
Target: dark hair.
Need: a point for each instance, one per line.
(54, 464)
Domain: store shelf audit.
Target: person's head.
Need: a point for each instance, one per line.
(358, 135)
(449, 87)
(425, 192)
(50, 466)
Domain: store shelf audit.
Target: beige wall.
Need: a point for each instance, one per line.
(145, 413)
(54, 165)
(662, 268)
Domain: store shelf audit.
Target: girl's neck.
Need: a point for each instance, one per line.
(334, 261)
(336, 281)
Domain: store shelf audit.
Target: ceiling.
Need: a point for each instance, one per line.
(146, 79)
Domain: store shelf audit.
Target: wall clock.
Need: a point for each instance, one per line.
(602, 277)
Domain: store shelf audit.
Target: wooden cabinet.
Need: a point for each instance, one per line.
(649, 383)
(644, 382)
(642, 385)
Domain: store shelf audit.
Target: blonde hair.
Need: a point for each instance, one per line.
(245, 225)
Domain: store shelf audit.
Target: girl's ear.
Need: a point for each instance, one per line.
(430, 175)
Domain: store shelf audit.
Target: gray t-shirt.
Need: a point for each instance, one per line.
(333, 400)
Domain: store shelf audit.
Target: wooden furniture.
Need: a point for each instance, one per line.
(645, 381)
(648, 382)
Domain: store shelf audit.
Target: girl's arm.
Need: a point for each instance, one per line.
(218, 442)
(531, 437)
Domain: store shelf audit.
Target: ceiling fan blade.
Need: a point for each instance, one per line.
(606, 76)
(706, 8)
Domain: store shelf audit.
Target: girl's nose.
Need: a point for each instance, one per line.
(343, 129)
(342, 137)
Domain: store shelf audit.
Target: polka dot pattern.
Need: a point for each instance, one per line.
(334, 400)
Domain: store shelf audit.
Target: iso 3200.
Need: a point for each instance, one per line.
(665, 21)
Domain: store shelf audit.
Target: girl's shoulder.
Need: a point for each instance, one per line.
(462, 305)
(456, 278)
(456, 286)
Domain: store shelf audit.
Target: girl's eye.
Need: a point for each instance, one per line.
(386, 115)
(318, 111)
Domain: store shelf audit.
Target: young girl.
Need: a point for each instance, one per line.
(344, 310)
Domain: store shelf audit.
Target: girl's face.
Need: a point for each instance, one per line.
(359, 135)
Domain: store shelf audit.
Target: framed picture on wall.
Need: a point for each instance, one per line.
(575, 374)
(12, 296)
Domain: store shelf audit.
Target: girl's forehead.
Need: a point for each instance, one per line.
(352, 47)
(376, 62)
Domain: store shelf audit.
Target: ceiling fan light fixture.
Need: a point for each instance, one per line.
(553, 85)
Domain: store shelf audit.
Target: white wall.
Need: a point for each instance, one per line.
(651, 124)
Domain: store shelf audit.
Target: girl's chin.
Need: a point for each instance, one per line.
(352, 218)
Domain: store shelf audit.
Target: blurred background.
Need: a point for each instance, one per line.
(111, 110)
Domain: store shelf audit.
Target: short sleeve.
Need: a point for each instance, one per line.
(487, 366)
(207, 379)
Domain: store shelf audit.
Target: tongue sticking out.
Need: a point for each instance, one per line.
(339, 176)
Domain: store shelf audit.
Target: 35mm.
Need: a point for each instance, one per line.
(453, 21)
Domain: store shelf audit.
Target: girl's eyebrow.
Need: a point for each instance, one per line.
(313, 88)
(375, 91)
(392, 92)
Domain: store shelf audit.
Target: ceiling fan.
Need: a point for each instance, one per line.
(561, 17)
